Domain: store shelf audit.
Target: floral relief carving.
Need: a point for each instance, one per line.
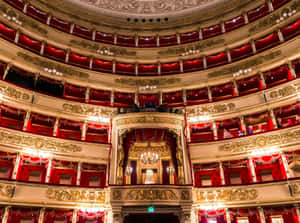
(226, 195)
(212, 109)
(148, 119)
(149, 82)
(76, 195)
(141, 195)
(13, 138)
(86, 110)
(6, 190)
(14, 93)
(283, 92)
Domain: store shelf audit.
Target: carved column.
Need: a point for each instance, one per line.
(26, 121)
(297, 211)
(200, 34)
(74, 218)
(17, 36)
(209, 94)
(236, 89)
(204, 62)
(180, 161)
(261, 215)
(271, 112)
(112, 95)
(120, 160)
(246, 18)
(159, 68)
(184, 96)
(262, 79)
(136, 71)
(55, 128)
(223, 27)
(279, 33)
(16, 167)
(222, 173)
(72, 28)
(157, 41)
(91, 63)
(270, 5)
(5, 215)
(25, 8)
(83, 131)
(136, 40)
(78, 173)
(181, 66)
(228, 56)
(49, 167)
(136, 98)
(160, 98)
(41, 217)
(42, 48)
(115, 39)
(253, 46)
(67, 56)
(49, 19)
(285, 165)
(228, 218)
(243, 125)
(6, 71)
(215, 130)
(94, 35)
(252, 170)
(87, 95)
(178, 38)
(292, 70)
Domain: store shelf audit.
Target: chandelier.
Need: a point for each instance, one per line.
(149, 157)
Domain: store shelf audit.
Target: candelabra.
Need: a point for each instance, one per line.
(149, 157)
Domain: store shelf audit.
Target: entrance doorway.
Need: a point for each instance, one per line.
(151, 218)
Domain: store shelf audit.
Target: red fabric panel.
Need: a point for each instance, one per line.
(19, 4)
(193, 65)
(104, 38)
(60, 24)
(258, 12)
(147, 41)
(217, 60)
(288, 214)
(173, 98)
(241, 52)
(249, 85)
(211, 31)
(83, 32)
(148, 98)
(56, 174)
(7, 32)
(9, 165)
(25, 169)
(251, 213)
(55, 53)
(234, 23)
(79, 60)
(147, 69)
(128, 69)
(83, 217)
(37, 14)
(267, 42)
(170, 68)
(197, 96)
(126, 41)
(100, 97)
(189, 37)
(51, 215)
(103, 66)
(291, 31)
(168, 40)
(123, 99)
(276, 76)
(17, 214)
(222, 92)
(29, 43)
(85, 178)
(75, 93)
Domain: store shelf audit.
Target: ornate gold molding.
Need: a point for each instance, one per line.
(283, 92)
(211, 109)
(13, 93)
(245, 65)
(86, 110)
(226, 195)
(47, 144)
(76, 195)
(148, 119)
(261, 141)
(66, 71)
(145, 82)
(6, 190)
(146, 194)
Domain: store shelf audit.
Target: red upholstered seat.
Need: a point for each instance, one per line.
(93, 175)
(60, 24)
(7, 32)
(63, 172)
(277, 76)
(207, 174)
(19, 4)
(193, 65)
(126, 41)
(104, 37)
(127, 69)
(122, 99)
(32, 169)
(103, 66)
(237, 172)
(97, 133)
(288, 214)
(29, 43)
(291, 31)
(75, 93)
(172, 98)
(147, 70)
(148, 98)
(37, 13)
(55, 53)
(82, 32)
(217, 59)
(211, 31)
(202, 133)
(69, 129)
(221, 92)
(197, 96)
(86, 217)
(79, 60)
(147, 41)
(241, 52)
(267, 42)
(258, 12)
(100, 97)
(20, 215)
(12, 118)
(7, 161)
(251, 214)
(168, 40)
(234, 23)
(41, 124)
(58, 215)
(170, 68)
(249, 85)
(189, 37)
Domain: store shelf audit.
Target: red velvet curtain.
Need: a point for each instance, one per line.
(133, 164)
(166, 178)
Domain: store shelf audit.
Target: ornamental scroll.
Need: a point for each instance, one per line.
(76, 195)
(6, 190)
(226, 195)
(140, 195)
(261, 141)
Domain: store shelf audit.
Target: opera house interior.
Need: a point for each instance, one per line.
(149, 111)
